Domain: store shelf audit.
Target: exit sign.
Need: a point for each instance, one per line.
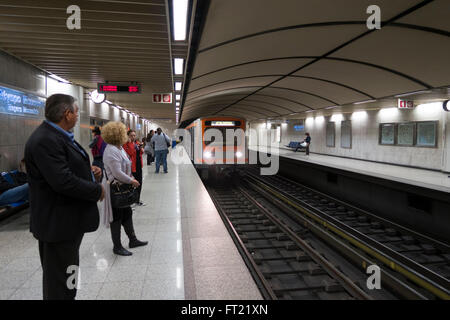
(405, 104)
(162, 98)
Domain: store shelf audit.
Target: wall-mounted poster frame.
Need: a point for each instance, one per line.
(406, 133)
(346, 134)
(387, 134)
(331, 134)
(427, 134)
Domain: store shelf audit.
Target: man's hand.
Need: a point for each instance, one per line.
(102, 196)
(97, 172)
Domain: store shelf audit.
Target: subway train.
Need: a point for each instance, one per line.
(217, 143)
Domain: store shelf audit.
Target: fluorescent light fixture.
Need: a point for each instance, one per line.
(177, 104)
(332, 107)
(177, 108)
(336, 117)
(292, 114)
(429, 109)
(411, 93)
(309, 111)
(177, 97)
(178, 86)
(389, 112)
(180, 8)
(57, 78)
(366, 101)
(359, 115)
(178, 65)
(108, 102)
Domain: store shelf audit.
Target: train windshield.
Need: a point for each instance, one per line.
(211, 136)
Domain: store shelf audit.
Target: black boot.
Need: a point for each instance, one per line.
(115, 235)
(129, 230)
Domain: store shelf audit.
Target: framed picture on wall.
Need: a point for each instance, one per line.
(426, 134)
(405, 134)
(387, 133)
(346, 134)
(330, 134)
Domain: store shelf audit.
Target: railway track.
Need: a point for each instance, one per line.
(423, 261)
(301, 244)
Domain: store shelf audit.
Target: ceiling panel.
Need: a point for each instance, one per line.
(331, 91)
(405, 49)
(235, 18)
(320, 53)
(271, 67)
(126, 40)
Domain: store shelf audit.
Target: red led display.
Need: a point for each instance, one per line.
(108, 88)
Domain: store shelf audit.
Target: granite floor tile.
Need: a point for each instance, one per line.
(27, 294)
(163, 289)
(127, 273)
(131, 290)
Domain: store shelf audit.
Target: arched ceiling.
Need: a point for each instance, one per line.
(266, 58)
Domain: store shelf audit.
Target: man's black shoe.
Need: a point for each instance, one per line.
(122, 252)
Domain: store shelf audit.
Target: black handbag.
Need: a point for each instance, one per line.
(122, 195)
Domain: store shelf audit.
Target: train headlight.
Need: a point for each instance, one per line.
(207, 154)
(238, 154)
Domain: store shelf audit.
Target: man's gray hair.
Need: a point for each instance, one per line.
(56, 105)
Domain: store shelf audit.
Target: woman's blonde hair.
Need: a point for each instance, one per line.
(115, 133)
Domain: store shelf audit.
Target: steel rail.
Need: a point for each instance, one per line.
(422, 276)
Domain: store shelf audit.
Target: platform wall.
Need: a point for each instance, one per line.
(15, 129)
(365, 136)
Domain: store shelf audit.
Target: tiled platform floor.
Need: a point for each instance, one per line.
(190, 253)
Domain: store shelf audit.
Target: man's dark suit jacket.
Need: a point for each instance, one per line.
(63, 197)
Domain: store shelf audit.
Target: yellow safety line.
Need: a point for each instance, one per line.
(424, 284)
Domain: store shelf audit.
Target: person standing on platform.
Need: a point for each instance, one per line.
(307, 141)
(118, 167)
(149, 148)
(162, 143)
(134, 150)
(63, 195)
(97, 147)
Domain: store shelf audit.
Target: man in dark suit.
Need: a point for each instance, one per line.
(63, 195)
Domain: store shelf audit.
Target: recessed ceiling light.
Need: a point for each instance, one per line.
(178, 86)
(58, 78)
(411, 93)
(178, 65)
(177, 97)
(180, 8)
(366, 101)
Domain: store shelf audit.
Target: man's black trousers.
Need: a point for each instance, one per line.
(59, 261)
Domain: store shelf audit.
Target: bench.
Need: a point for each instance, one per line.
(11, 208)
(294, 145)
